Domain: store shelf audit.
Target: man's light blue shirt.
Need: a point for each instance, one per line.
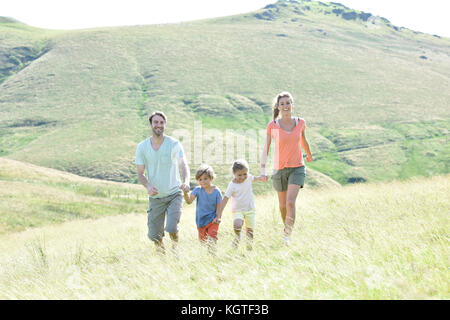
(162, 165)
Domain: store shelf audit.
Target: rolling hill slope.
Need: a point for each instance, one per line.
(375, 96)
(33, 196)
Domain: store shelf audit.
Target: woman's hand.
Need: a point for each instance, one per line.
(262, 178)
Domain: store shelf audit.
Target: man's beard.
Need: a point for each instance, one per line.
(158, 133)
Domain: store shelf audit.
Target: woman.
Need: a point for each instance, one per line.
(288, 132)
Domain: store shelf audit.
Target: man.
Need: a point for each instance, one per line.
(163, 158)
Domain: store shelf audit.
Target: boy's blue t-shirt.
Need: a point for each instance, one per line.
(206, 205)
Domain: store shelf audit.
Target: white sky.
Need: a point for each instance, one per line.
(430, 16)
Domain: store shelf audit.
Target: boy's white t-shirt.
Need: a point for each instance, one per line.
(241, 195)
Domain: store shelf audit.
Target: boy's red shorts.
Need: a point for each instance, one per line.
(210, 230)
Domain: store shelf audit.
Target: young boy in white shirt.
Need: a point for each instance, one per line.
(242, 203)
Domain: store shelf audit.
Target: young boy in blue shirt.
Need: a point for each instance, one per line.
(208, 199)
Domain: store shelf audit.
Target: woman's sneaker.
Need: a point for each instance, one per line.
(286, 239)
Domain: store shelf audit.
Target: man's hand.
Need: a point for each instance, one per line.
(309, 158)
(153, 191)
(185, 187)
(217, 220)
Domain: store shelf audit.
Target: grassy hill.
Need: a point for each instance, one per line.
(32, 196)
(375, 96)
(86, 239)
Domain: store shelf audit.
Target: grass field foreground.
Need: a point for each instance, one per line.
(364, 241)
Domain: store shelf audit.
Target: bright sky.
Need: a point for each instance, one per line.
(430, 16)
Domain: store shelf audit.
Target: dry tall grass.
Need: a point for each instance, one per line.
(368, 241)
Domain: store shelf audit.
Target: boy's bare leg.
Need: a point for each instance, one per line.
(249, 239)
(212, 245)
(237, 225)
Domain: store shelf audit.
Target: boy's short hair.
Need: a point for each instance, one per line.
(239, 164)
(157, 113)
(205, 169)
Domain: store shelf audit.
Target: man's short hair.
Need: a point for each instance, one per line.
(157, 113)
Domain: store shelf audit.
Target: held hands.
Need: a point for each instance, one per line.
(185, 187)
(263, 178)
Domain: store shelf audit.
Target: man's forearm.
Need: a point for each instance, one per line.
(143, 180)
(185, 174)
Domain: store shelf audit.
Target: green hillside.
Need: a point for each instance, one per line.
(375, 96)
